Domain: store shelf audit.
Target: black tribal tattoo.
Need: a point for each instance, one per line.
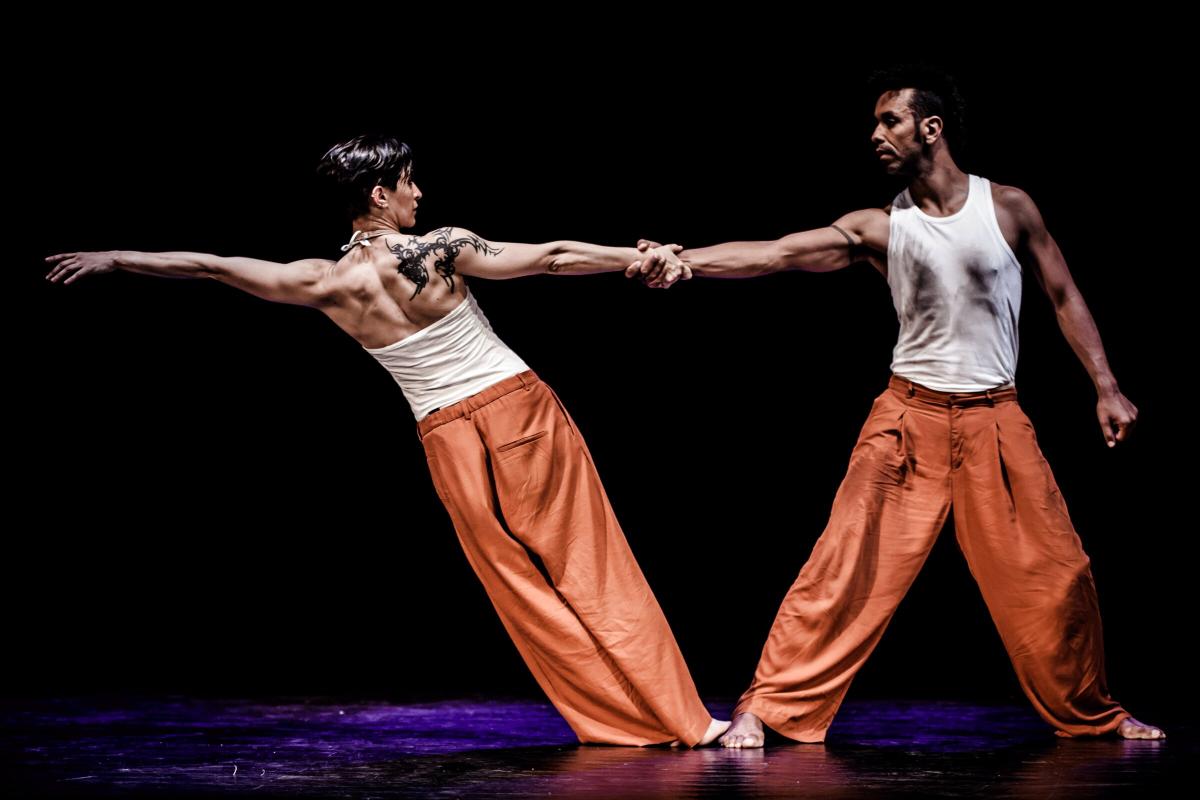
(412, 255)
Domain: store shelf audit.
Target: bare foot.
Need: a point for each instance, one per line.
(1130, 728)
(747, 731)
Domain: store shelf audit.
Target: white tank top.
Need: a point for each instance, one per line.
(956, 285)
(450, 360)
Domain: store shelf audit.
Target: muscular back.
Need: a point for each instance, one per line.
(396, 285)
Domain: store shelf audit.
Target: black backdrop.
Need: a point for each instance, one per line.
(214, 494)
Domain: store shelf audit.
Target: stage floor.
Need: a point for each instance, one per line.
(309, 747)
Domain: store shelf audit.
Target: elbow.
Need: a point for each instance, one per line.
(776, 260)
(1064, 298)
(210, 268)
(770, 260)
(557, 259)
(775, 257)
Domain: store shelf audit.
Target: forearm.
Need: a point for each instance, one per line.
(818, 250)
(582, 258)
(1079, 328)
(733, 259)
(169, 265)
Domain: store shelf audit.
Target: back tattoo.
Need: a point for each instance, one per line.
(412, 255)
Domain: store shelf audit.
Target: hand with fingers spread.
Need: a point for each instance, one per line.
(70, 267)
(661, 269)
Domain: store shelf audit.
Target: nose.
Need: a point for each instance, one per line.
(416, 191)
(877, 136)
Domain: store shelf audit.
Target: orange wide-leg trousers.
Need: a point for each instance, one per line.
(921, 453)
(532, 516)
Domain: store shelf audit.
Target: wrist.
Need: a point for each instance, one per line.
(1106, 386)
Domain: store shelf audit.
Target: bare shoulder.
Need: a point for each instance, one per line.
(451, 234)
(314, 273)
(1009, 195)
(316, 266)
(1018, 216)
(868, 216)
(440, 234)
(450, 242)
(359, 272)
(1014, 201)
(869, 226)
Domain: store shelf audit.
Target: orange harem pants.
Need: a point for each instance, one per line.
(514, 473)
(920, 453)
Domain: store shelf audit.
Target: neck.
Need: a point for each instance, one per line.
(939, 183)
(367, 228)
(370, 224)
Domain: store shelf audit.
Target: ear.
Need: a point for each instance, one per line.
(931, 129)
(379, 197)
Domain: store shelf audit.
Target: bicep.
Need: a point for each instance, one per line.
(1038, 248)
(819, 250)
(852, 238)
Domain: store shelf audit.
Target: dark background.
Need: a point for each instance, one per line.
(216, 495)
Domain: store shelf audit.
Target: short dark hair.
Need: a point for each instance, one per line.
(934, 94)
(360, 164)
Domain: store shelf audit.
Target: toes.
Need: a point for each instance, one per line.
(1138, 730)
(741, 741)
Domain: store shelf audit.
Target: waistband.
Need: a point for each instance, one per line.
(467, 406)
(911, 389)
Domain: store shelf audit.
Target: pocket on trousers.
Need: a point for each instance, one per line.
(519, 472)
(563, 409)
(1005, 478)
(524, 440)
(897, 462)
(883, 444)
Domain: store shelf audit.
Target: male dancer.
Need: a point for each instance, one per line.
(946, 433)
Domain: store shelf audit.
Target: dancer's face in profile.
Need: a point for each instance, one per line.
(404, 199)
(897, 139)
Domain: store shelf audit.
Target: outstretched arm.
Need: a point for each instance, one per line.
(857, 236)
(1040, 253)
(472, 255)
(299, 282)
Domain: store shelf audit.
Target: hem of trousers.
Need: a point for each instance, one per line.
(777, 720)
